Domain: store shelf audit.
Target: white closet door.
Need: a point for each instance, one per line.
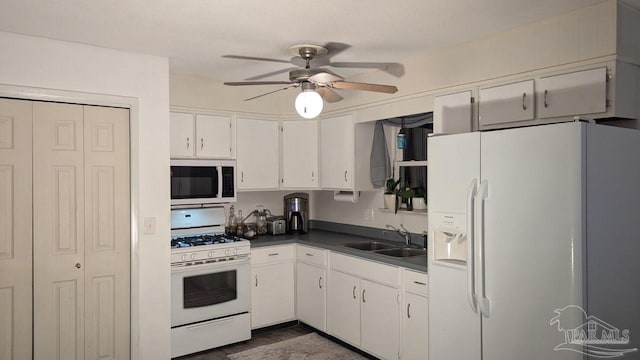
(58, 192)
(81, 232)
(15, 229)
(107, 233)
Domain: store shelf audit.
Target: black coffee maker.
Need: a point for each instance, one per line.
(296, 211)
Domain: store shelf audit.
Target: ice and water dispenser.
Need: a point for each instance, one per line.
(450, 243)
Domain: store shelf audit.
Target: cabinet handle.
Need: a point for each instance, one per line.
(256, 280)
(320, 282)
(354, 291)
(408, 311)
(313, 175)
(309, 254)
(274, 254)
(524, 107)
(78, 266)
(188, 143)
(419, 283)
(241, 176)
(545, 98)
(201, 143)
(363, 300)
(345, 176)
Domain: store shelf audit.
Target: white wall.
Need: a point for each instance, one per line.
(48, 64)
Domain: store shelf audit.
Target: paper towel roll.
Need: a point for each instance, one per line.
(347, 196)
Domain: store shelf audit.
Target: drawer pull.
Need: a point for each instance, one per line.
(420, 283)
(274, 254)
(309, 254)
(354, 291)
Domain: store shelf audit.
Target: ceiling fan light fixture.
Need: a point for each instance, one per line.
(309, 103)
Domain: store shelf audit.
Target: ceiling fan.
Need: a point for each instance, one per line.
(316, 83)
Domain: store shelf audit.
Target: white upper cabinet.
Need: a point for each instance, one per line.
(201, 136)
(337, 147)
(453, 113)
(507, 103)
(576, 93)
(182, 135)
(300, 154)
(258, 154)
(214, 136)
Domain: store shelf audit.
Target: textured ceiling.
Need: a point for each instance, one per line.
(196, 34)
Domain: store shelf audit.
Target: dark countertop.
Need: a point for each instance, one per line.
(334, 241)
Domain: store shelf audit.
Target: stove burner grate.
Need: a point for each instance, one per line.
(189, 241)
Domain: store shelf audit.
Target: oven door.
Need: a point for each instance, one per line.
(209, 291)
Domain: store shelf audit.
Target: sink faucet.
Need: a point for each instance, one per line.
(404, 233)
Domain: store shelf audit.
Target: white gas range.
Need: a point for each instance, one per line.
(210, 282)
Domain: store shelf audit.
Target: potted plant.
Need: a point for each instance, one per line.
(390, 193)
(419, 201)
(408, 194)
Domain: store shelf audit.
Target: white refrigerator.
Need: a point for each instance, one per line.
(534, 243)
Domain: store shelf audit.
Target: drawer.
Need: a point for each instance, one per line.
(272, 254)
(415, 282)
(311, 255)
(366, 269)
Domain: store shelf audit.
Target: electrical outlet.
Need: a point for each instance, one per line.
(368, 214)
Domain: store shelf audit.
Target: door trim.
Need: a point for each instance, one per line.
(131, 103)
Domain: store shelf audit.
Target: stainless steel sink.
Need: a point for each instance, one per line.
(402, 252)
(370, 245)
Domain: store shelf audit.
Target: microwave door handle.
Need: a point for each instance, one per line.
(219, 182)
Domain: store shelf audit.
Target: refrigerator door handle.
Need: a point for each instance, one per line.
(483, 302)
(471, 290)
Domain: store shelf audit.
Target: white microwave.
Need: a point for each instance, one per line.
(199, 182)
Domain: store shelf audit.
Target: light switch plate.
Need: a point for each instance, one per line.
(149, 224)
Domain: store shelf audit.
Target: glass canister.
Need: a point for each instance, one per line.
(261, 221)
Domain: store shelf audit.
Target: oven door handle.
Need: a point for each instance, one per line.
(208, 323)
(212, 265)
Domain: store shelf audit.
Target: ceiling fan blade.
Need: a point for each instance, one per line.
(325, 77)
(270, 92)
(240, 83)
(395, 69)
(389, 89)
(334, 48)
(241, 57)
(328, 95)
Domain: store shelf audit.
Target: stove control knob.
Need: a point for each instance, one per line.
(193, 256)
(227, 252)
(183, 257)
(210, 254)
(235, 251)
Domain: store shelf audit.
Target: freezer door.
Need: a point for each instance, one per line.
(454, 162)
(533, 247)
(454, 168)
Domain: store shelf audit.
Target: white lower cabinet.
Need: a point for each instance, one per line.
(272, 285)
(363, 305)
(311, 286)
(415, 316)
(379, 321)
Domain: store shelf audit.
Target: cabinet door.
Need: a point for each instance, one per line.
(182, 142)
(258, 154)
(506, 103)
(337, 149)
(580, 92)
(213, 136)
(415, 339)
(344, 307)
(272, 294)
(380, 323)
(300, 154)
(311, 295)
(453, 113)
